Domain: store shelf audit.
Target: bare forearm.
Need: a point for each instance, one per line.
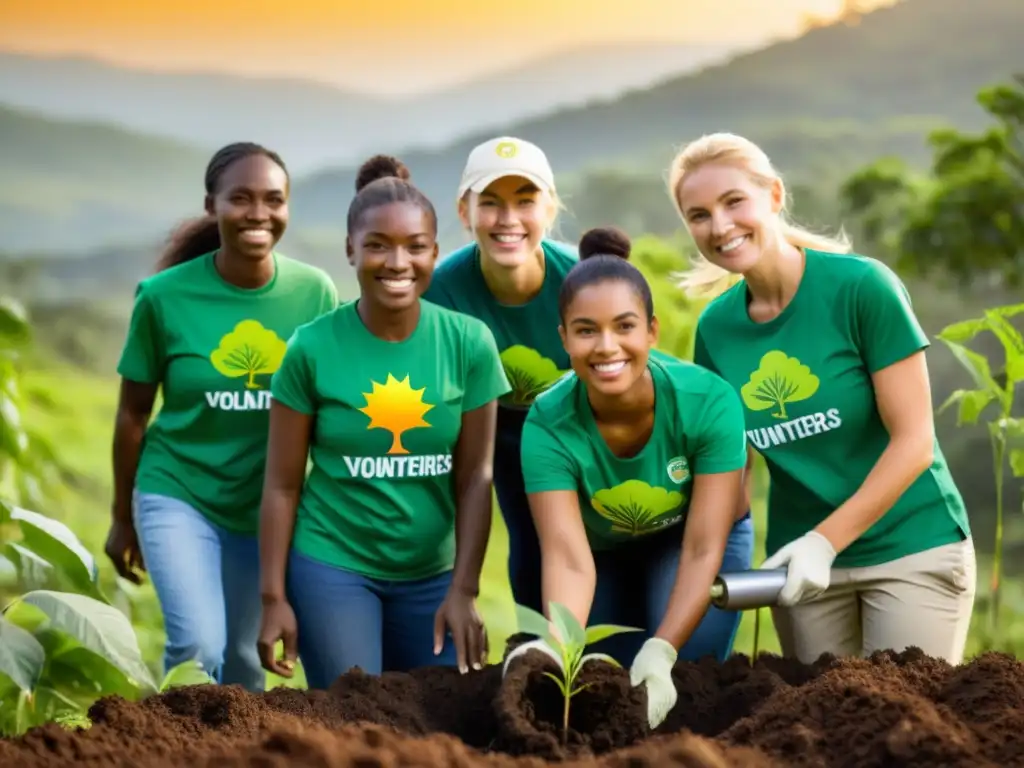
(277, 524)
(900, 464)
(129, 432)
(472, 530)
(690, 596)
(570, 584)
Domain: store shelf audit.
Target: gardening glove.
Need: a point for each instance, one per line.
(810, 561)
(653, 665)
(536, 645)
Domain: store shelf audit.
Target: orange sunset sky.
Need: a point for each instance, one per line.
(386, 46)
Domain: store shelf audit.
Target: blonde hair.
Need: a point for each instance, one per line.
(705, 279)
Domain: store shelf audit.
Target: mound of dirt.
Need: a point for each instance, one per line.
(891, 709)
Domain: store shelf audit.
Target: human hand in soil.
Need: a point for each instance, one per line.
(123, 549)
(458, 612)
(278, 623)
(653, 665)
(809, 569)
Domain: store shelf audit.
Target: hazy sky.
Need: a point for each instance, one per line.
(377, 45)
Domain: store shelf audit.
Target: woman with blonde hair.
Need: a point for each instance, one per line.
(828, 358)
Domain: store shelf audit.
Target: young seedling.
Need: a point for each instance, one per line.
(570, 642)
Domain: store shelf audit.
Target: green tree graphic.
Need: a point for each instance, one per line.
(528, 372)
(249, 350)
(778, 380)
(633, 507)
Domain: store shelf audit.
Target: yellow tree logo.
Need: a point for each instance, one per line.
(249, 350)
(396, 407)
(778, 380)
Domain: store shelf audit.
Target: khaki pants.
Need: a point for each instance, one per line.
(922, 600)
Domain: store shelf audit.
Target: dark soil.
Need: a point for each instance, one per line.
(890, 710)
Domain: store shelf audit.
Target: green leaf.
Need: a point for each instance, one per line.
(14, 325)
(1008, 310)
(33, 571)
(1017, 462)
(562, 685)
(21, 656)
(963, 331)
(1013, 344)
(187, 673)
(55, 543)
(567, 625)
(978, 367)
(972, 403)
(533, 623)
(599, 632)
(98, 627)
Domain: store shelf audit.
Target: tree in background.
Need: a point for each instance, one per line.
(965, 219)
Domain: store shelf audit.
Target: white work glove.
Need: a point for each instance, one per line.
(810, 561)
(535, 645)
(653, 665)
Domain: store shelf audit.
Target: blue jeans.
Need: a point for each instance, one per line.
(347, 620)
(524, 562)
(207, 581)
(634, 583)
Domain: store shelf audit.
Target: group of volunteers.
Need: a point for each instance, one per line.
(320, 474)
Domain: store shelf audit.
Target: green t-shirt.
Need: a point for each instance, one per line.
(698, 430)
(805, 382)
(527, 334)
(380, 497)
(212, 347)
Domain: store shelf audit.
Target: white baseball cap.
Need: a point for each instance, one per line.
(506, 156)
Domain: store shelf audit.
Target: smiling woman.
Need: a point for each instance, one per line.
(509, 278)
(368, 560)
(633, 465)
(208, 330)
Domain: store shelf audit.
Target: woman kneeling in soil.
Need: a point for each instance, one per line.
(828, 357)
(623, 454)
(187, 485)
(394, 400)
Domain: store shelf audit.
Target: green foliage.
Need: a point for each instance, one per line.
(61, 650)
(966, 218)
(570, 642)
(26, 457)
(661, 262)
(1005, 431)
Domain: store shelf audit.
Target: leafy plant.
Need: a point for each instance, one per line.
(991, 388)
(569, 642)
(62, 643)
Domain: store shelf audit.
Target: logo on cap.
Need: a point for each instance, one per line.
(506, 149)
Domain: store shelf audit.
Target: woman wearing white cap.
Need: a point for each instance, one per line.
(510, 277)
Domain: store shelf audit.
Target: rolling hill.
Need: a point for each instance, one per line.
(918, 62)
(75, 185)
(313, 124)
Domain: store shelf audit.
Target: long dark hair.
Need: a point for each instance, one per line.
(194, 237)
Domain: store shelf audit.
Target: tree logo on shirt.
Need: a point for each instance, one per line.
(396, 407)
(777, 381)
(635, 508)
(506, 149)
(678, 469)
(249, 350)
(528, 373)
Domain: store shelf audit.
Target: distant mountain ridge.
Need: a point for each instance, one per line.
(312, 124)
(917, 59)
